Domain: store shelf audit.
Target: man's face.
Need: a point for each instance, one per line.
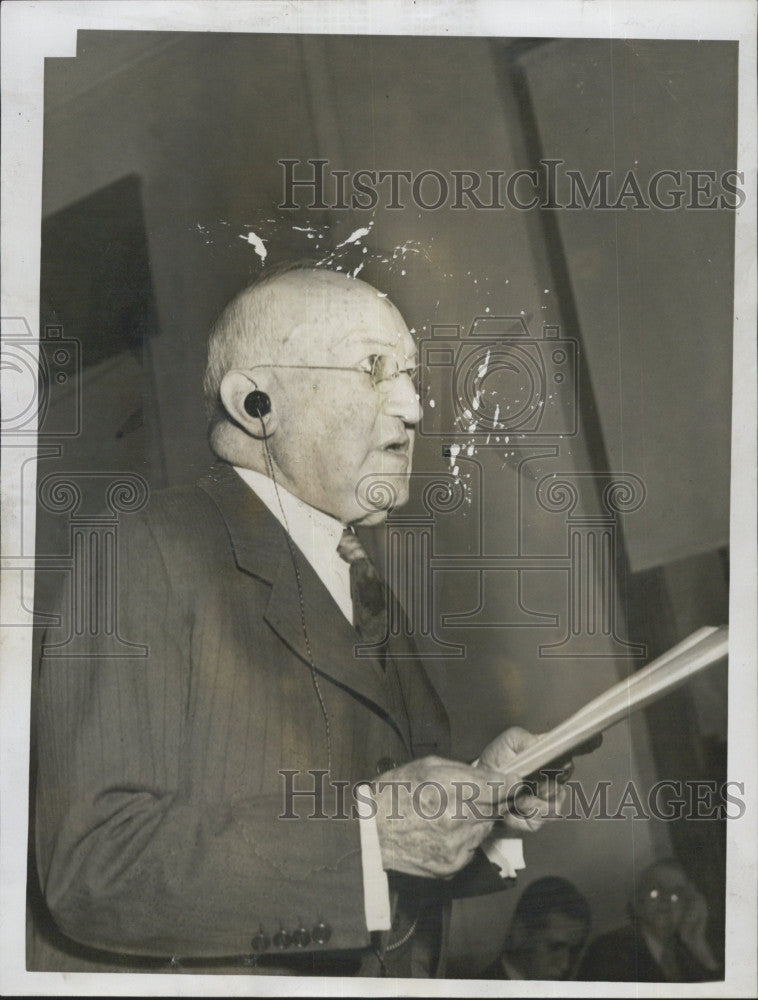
(337, 427)
(661, 900)
(553, 949)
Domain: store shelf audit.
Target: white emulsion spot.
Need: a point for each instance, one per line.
(257, 244)
(354, 236)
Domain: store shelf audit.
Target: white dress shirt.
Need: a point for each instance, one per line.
(316, 534)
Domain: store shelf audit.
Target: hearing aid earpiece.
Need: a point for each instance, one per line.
(257, 403)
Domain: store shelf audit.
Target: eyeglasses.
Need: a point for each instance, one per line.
(382, 369)
(660, 896)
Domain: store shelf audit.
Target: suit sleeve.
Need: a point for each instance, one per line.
(135, 858)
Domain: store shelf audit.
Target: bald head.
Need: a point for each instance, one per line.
(289, 316)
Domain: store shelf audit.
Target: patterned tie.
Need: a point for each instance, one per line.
(366, 590)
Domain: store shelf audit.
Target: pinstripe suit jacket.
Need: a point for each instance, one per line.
(160, 781)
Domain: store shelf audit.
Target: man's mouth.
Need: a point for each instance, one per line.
(399, 446)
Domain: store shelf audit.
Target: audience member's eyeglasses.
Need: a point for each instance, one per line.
(661, 895)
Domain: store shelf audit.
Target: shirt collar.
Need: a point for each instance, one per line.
(311, 530)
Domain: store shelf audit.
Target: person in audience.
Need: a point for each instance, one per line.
(666, 940)
(549, 928)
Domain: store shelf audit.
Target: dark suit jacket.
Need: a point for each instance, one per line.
(622, 956)
(160, 785)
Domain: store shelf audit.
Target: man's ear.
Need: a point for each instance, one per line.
(235, 388)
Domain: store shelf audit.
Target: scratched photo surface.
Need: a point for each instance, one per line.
(554, 221)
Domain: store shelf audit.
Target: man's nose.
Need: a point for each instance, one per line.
(402, 400)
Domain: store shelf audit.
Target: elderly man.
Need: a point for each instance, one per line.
(202, 802)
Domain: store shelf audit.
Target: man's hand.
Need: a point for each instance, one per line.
(433, 813)
(692, 929)
(537, 801)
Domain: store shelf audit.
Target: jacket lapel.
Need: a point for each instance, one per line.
(429, 731)
(262, 548)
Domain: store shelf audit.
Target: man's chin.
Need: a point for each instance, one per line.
(370, 520)
(379, 496)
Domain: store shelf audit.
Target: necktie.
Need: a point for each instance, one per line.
(366, 590)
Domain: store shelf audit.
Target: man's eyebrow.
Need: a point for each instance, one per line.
(361, 337)
(377, 346)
